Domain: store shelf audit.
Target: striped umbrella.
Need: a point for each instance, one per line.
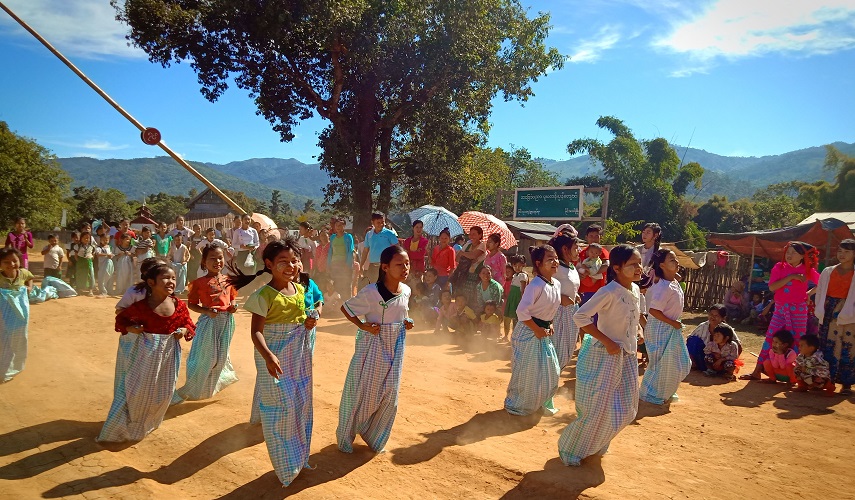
(490, 224)
(435, 219)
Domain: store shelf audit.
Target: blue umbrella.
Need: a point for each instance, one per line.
(435, 219)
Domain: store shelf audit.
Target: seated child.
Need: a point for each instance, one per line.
(755, 308)
(721, 353)
(490, 321)
(462, 316)
(735, 302)
(434, 290)
(591, 265)
(811, 369)
(782, 359)
(444, 311)
(331, 297)
(421, 303)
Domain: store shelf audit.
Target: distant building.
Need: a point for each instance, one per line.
(207, 205)
(144, 218)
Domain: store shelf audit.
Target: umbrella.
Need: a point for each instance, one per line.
(265, 221)
(490, 224)
(435, 219)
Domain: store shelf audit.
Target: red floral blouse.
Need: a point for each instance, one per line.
(139, 313)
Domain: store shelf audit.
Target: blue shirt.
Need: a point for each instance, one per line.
(313, 295)
(377, 242)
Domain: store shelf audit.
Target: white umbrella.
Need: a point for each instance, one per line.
(435, 219)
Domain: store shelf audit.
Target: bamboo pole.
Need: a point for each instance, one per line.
(124, 113)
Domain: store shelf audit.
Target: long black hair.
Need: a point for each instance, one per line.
(145, 266)
(386, 258)
(274, 248)
(847, 244)
(538, 254)
(658, 259)
(618, 256)
(657, 234)
(561, 241)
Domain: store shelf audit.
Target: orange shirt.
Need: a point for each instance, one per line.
(838, 285)
(213, 292)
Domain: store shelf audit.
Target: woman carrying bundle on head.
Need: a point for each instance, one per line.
(566, 331)
(534, 364)
(209, 369)
(789, 281)
(147, 363)
(369, 400)
(607, 369)
(282, 334)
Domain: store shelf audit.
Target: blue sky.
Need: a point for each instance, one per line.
(747, 78)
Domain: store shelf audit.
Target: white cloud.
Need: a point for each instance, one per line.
(734, 29)
(103, 146)
(591, 50)
(83, 28)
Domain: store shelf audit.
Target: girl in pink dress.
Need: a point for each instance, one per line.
(20, 239)
(789, 281)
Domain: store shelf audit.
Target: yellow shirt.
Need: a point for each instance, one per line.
(277, 307)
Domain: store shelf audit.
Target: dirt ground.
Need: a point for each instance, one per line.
(451, 438)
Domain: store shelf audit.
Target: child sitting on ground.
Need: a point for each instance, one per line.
(782, 359)
(591, 265)
(462, 316)
(811, 369)
(434, 290)
(490, 321)
(721, 353)
(332, 298)
(755, 308)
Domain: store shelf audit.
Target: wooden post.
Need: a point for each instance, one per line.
(604, 206)
(124, 113)
(498, 211)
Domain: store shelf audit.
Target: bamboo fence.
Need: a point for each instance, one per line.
(707, 285)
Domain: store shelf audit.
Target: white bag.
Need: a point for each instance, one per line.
(250, 261)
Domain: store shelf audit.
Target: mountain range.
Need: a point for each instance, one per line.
(732, 176)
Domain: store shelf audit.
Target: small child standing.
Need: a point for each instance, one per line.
(369, 400)
(148, 369)
(54, 255)
(85, 272)
(71, 251)
(591, 265)
(490, 321)
(104, 254)
(721, 353)
(20, 239)
(180, 256)
(15, 284)
(124, 263)
(282, 334)
(811, 369)
(162, 240)
(209, 369)
(144, 247)
(444, 312)
(518, 284)
(780, 363)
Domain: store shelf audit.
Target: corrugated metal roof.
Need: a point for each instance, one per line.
(533, 227)
(847, 217)
(536, 236)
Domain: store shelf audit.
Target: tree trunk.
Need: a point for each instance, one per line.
(363, 185)
(384, 179)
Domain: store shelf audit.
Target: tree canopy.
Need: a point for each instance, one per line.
(371, 68)
(33, 185)
(647, 180)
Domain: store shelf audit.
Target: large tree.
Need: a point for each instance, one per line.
(32, 183)
(367, 67)
(647, 180)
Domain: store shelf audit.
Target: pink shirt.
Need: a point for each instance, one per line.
(794, 292)
(497, 265)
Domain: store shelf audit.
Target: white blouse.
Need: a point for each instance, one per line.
(369, 303)
(666, 296)
(569, 279)
(618, 309)
(703, 332)
(540, 300)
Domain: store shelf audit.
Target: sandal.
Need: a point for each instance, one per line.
(846, 392)
(748, 376)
